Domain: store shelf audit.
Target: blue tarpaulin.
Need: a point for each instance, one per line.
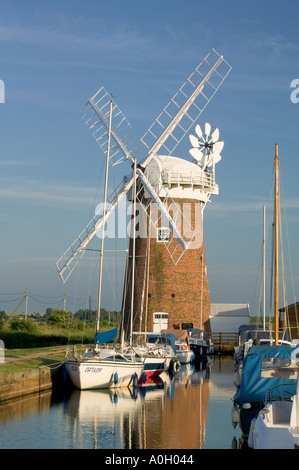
(106, 336)
(265, 367)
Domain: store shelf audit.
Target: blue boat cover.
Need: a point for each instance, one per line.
(106, 336)
(261, 369)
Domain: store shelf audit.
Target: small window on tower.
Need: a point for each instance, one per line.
(163, 234)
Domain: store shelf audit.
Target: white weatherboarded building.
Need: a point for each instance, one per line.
(226, 318)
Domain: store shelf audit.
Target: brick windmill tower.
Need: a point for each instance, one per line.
(166, 281)
(171, 286)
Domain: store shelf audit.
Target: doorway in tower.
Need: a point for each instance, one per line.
(160, 322)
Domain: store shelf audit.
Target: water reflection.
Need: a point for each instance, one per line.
(25, 407)
(169, 415)
(190, 410)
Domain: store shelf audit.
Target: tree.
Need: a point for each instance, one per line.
(25, 326)
(48, 313)
(59, 318)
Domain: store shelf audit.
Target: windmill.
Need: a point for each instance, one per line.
(156, 175)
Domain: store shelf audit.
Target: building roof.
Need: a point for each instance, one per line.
(226, 318)
(230, 310)
(177, 164)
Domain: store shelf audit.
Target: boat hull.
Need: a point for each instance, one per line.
(200, 351)
(89, 375)
(185, 357)
(153, 367)
(267, 434)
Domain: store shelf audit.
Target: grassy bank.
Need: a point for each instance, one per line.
(44, 335)
(30, 344)
(16, 360)
(35, 334)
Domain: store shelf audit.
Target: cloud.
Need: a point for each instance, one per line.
(76, 41)
(254, 206)
(24, 162)
(41, 192)
(33, 260)
(75, 37)
(230, 207)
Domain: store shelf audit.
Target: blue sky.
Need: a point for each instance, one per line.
(55, 55)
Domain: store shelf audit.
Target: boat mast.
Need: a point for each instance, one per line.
(103, 224)
(133, 232)
(264, 268)
(276, 253)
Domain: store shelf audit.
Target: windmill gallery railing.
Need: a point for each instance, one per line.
(178, 177)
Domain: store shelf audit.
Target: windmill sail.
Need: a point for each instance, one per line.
(124, 141)
(68, 261)
(176, 119)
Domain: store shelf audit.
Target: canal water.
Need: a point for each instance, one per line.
(191, 410)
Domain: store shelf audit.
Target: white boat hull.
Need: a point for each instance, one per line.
(185, 357)
(268, 434)
(93, 374)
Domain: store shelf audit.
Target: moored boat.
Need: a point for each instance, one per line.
(182, 347)
(157, 352)
(103, 367)
(153, 364)
(200, 343)
(257, 337)
(95, 370)
(276, 426)
(264, 368)
(163, 344)
(185, 355)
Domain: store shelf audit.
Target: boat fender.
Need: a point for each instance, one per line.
(246, 406)
(115, 378)
(143, 377)
(235, 416)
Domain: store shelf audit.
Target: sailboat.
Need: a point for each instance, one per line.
(103, 367)
(259, 334)
(158, 355)
(277, 424)
(267, 366)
